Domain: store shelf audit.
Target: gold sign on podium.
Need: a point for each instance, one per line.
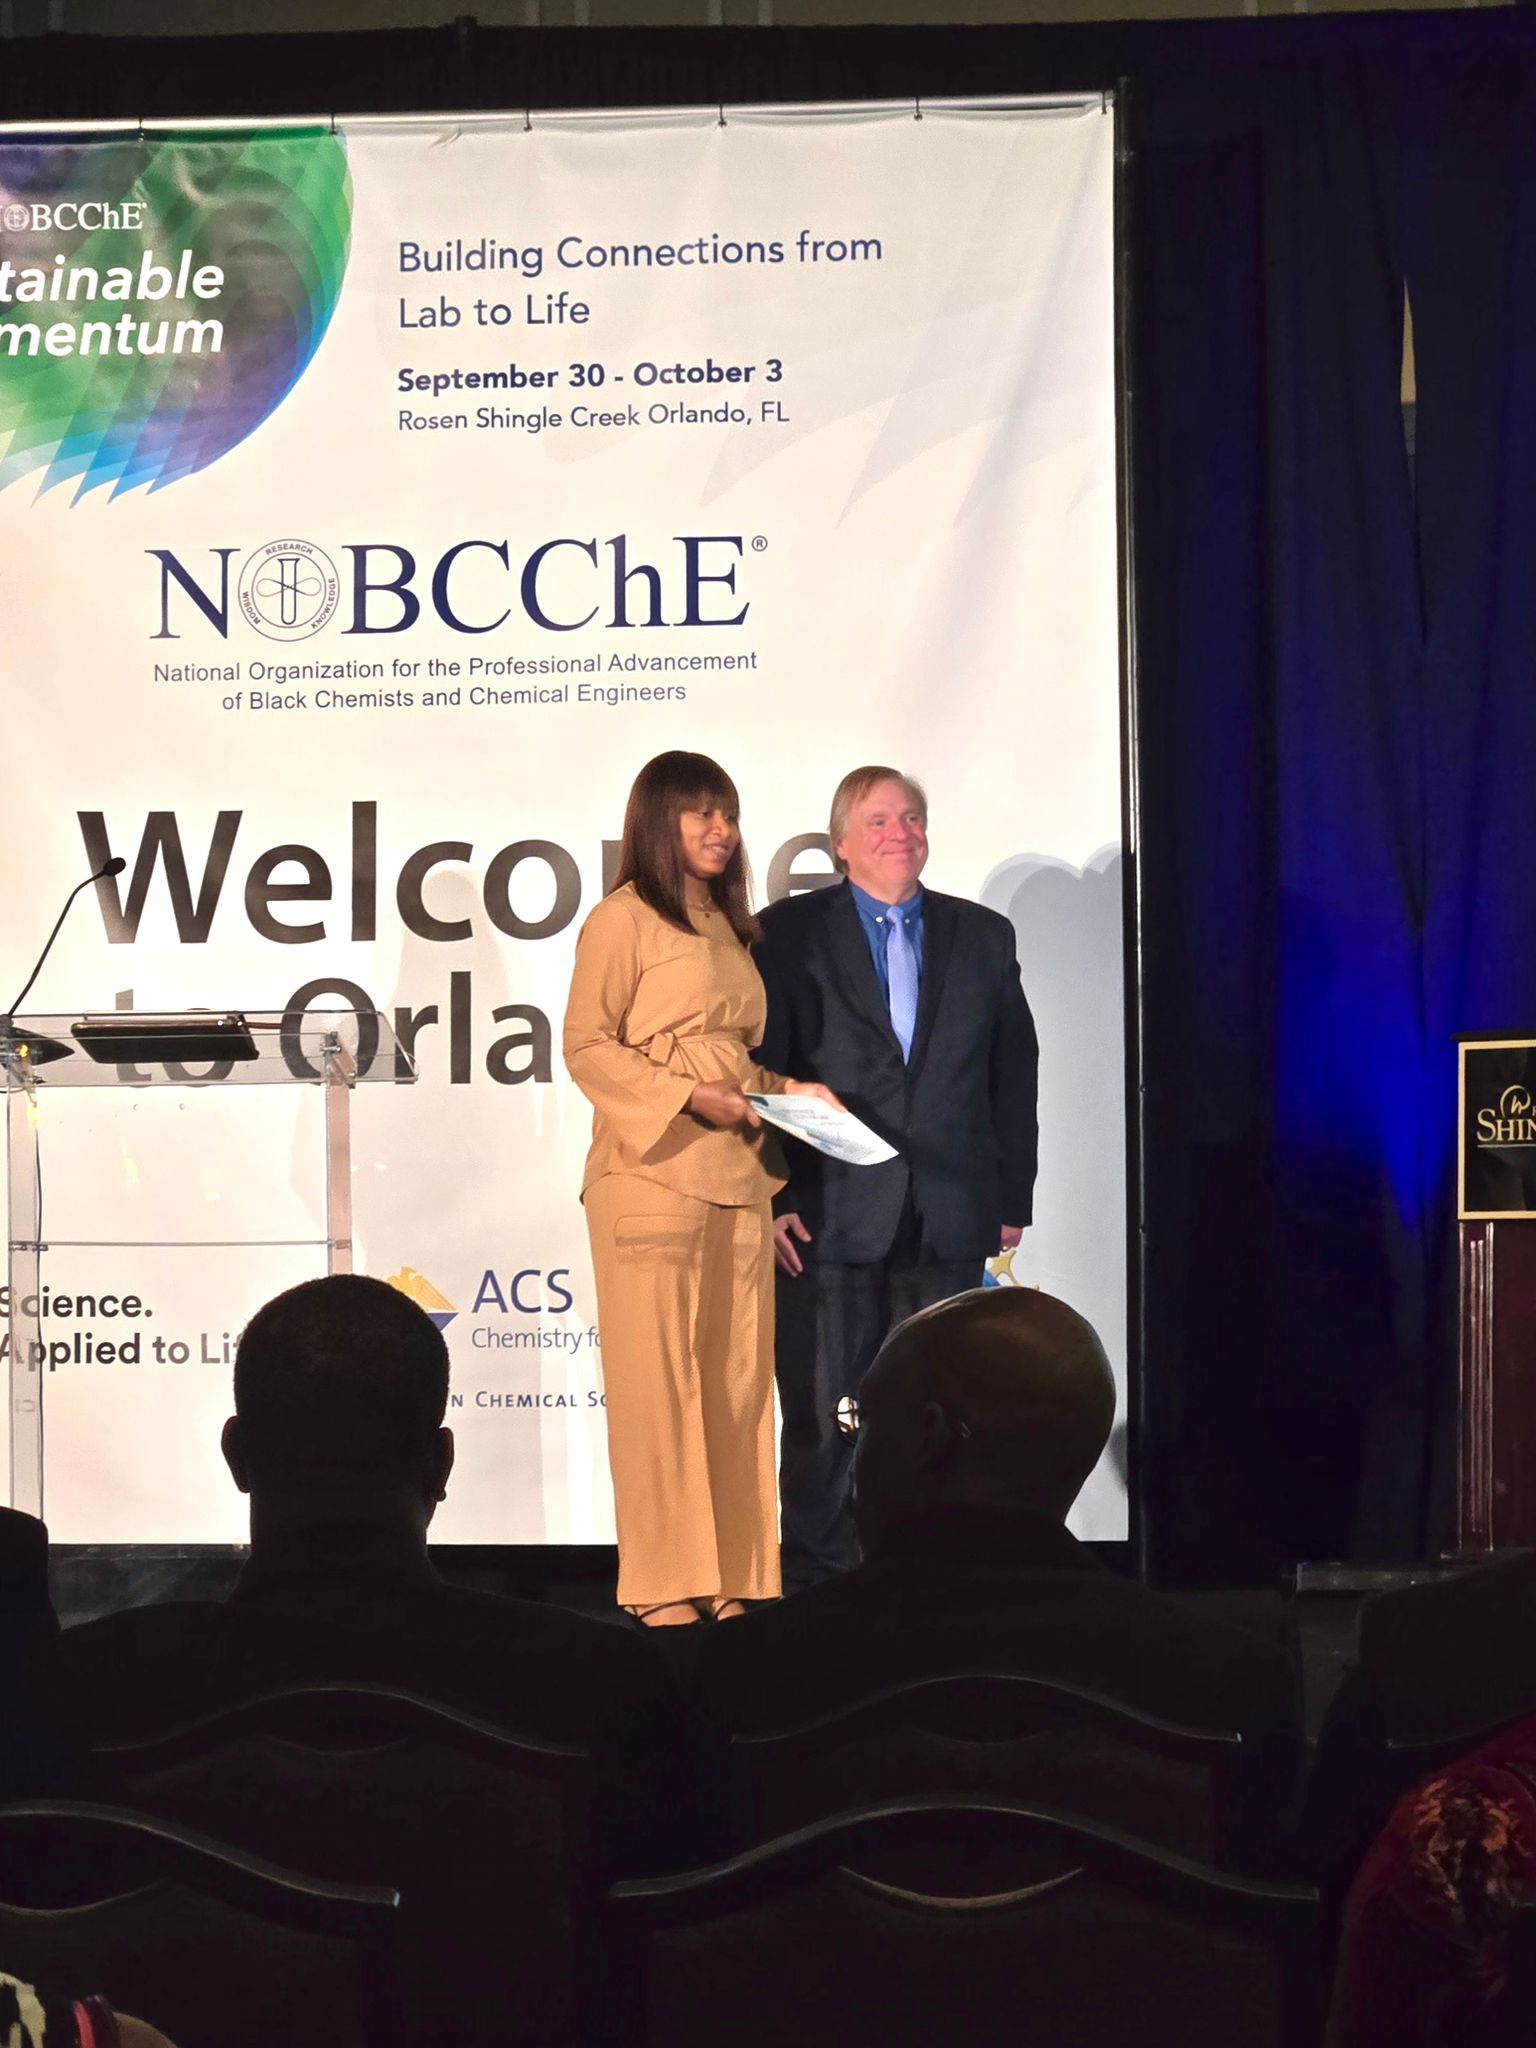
(1496, 1207)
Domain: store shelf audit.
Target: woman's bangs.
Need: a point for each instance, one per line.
(709, 796)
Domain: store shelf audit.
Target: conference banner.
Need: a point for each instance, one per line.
(375, 499)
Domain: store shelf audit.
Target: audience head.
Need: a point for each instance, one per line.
(340, 1389)
(27, 1618)
(1002, 1396)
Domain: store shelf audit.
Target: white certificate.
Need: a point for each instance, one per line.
(837, 1132)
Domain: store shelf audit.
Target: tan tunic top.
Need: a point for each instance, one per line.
(651, 1013)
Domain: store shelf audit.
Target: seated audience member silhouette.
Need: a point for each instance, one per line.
(29, 1729)
(27, 1619)
(1432, 1662)
(978, 1423)
(1426, 1956)
(340, 1390)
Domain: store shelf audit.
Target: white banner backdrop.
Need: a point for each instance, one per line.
(373, 505)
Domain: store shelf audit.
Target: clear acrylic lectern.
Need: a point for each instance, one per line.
(91, 1207)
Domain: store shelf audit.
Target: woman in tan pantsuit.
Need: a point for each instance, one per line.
(665, 1007)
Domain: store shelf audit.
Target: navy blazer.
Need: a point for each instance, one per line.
(961, 1112)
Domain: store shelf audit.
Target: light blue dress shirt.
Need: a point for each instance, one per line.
(872, 915)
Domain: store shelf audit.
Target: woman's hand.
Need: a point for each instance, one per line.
(722, 1104)
(817, 1088)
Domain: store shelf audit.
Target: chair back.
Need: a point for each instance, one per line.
(918, 1921)
(1412, 1757)
(990, 1734)
(485, 1833)
(1520, 1960)
(215, 1947)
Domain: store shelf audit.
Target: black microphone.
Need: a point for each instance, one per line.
(8, 1017)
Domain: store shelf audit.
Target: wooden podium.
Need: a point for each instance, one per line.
(1496, 1195)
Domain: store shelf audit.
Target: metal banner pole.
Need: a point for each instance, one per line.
(23, 1179)
(340, 1071)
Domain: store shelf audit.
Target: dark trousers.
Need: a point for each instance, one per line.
(832, 1320)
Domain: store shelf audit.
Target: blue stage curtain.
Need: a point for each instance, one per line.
(1283, 850)
(1338, 698)
(1467, 141)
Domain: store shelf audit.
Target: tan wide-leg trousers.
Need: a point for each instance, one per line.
(685, 1309)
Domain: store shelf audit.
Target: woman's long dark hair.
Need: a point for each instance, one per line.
(651, 854)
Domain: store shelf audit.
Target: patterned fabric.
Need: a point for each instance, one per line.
(1425, 1950)
(26, 2021)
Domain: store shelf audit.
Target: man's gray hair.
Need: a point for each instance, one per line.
(854, 787)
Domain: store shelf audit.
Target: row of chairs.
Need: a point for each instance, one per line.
(212, 1943)
(1050, 1845)
(988, 1732)
(907, 1922)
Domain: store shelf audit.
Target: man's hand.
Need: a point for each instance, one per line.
(722, 1104)
(819, 1089)
(1013, 1236)
(785, 1230)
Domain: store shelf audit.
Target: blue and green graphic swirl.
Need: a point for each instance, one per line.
(272, 211)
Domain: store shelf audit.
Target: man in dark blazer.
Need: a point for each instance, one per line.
(1454, 1657)
(909, 1005)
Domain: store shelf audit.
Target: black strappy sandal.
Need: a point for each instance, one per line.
(641, 1615)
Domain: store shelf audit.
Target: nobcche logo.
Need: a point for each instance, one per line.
(16, 218)
(289, 589)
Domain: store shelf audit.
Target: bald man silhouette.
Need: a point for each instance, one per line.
(1001, 1397)
(978, 1423)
